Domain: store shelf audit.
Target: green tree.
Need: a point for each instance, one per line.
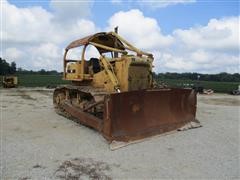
(13, 68)
(4, 67)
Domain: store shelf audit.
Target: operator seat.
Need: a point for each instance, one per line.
(95, 64)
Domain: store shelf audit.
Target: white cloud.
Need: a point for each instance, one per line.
(35, 57)
(140, 30)
(26, 25)
(35, 37)
(197, 61)
(45, 56)
(13, 53)
(163, 3)
(176, 62)
(212, 48)
(217, 35)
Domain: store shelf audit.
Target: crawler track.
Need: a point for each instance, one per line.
(74, 102)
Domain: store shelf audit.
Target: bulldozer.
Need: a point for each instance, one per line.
(9, 81)
(114, 93)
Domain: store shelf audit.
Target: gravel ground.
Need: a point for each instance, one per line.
(36, 143)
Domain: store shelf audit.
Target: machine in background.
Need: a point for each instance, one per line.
(10, 81)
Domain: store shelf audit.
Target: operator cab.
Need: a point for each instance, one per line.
(95, 48)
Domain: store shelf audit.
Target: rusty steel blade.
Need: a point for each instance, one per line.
(139, 114)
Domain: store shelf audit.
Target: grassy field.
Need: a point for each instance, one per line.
(54, 80)
(222, 87)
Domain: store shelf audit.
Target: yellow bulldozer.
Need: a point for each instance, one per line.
(9, 81)
(114, 93)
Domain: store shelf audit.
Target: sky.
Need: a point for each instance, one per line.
(183, 35)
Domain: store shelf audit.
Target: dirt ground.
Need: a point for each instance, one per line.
(36, 143)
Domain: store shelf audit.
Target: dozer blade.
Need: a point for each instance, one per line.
(132, 116)
(136, 115)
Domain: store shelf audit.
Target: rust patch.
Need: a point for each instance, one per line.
(135, 108)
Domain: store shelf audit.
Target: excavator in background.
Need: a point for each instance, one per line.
(9, 81)
(114, 93)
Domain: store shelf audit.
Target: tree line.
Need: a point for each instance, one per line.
(220, 77)
(41, 72)
(6, 68)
